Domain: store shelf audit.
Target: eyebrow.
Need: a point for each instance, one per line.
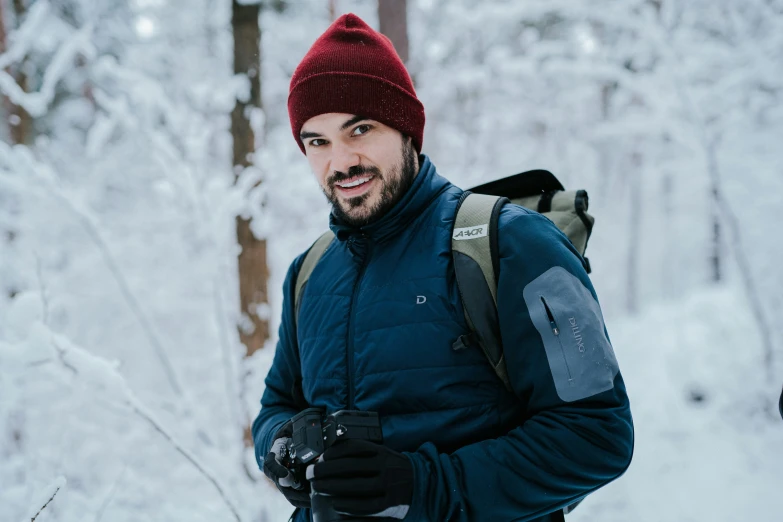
(354, 120)
(304, 135)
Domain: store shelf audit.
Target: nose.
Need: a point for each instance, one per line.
(343, 157)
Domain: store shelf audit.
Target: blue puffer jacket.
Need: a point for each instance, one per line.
(377, 322)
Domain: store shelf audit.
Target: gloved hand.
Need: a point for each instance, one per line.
(364, 479)
(296, 492)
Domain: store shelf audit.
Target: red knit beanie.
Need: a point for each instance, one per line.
(354, 69)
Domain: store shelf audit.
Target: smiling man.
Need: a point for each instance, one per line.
(374, 327)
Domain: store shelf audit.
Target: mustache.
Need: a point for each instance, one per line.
(353, 172)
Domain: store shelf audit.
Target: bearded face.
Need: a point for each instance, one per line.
(363, 166)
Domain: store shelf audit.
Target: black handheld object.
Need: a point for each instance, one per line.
(313, 433)
(306, 442)
(780, 404)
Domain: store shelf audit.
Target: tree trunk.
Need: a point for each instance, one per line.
(20, 123)
(393, 19)
(253, 270)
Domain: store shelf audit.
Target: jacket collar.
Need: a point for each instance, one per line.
(427, 185)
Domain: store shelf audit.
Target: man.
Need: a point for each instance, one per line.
(380, 313)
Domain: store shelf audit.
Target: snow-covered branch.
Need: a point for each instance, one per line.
(105, 377)
(22, 39)
(37, 103)
(21, 159)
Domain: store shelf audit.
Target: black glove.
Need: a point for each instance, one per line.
(364, 479)
(296, 491)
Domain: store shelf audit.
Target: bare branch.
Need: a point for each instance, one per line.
(60, 482)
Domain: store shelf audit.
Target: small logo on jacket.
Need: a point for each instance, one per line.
(580, 345)
(470, 232)
(420, 299)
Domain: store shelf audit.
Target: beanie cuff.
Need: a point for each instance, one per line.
(359, 94)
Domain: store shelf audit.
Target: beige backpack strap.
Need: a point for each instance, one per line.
(308, 265)
(474, 250)
(472, 235)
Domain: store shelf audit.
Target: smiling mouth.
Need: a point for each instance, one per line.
(354, 186)
(354, 182)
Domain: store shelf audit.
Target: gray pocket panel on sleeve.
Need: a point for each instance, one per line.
(571, 326)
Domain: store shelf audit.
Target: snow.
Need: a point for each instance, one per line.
(716, 459)
(36, 103)
(23, 38)
(122, 379)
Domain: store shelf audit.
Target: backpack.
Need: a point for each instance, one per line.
(476, 262)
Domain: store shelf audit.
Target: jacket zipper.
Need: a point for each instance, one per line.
(556, 331)
(350, 351)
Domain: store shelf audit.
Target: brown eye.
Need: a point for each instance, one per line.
(361, 129)
(317, 142)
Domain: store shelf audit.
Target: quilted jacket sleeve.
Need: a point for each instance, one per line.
(577, 432)
(277, 402)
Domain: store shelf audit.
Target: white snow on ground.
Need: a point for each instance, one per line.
(718, 460)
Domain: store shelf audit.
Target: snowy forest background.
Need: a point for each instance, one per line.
(130, 365)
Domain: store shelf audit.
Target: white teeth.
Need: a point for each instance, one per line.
(355, 183)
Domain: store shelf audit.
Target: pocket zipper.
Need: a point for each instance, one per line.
(556, 331)
(551, 317)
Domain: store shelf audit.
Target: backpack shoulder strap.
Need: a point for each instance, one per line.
(311, 259)
(308, 265)
(474, 247)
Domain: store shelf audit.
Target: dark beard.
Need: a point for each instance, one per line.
(392, 189)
